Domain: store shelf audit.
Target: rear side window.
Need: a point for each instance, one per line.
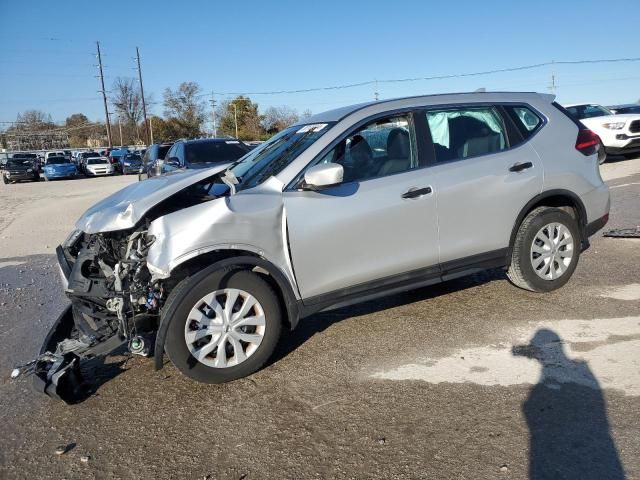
(460, 133)
(525, 119)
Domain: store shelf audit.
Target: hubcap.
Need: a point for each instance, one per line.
(552, 251)
(224, 328)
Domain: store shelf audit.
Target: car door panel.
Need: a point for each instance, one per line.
(358, 232)
(479, 199)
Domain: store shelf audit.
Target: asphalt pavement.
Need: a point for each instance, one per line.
(471, 379)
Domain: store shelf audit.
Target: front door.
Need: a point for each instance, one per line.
(379, 224)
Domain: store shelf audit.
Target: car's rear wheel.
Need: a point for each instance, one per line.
(224, 325)
(545, 251)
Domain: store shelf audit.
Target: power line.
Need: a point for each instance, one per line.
(435, 77)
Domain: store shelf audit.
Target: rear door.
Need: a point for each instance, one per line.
(484, 174)
(376, 228)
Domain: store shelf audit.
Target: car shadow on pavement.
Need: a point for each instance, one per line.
(566, 414)
(97, 371)
(308, 327)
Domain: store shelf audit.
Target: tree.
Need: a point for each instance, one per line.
(248, 119)
(165, 130)
(186, 108)
(127, 100)
(278, 118)
(33, 120)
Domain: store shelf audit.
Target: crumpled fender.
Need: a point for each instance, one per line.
(125, 208)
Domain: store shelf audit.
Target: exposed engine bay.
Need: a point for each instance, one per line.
(115, 301)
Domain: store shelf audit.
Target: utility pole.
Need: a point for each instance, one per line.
(553, 87)
(104, 96)
(235, 117)
(151, 130)
(144, 105)
(120, 127)
(213, 115)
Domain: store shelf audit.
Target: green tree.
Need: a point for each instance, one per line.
(165, 130)
(186, 108)
(245, 112)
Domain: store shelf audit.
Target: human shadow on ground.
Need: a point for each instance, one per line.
(566, 414)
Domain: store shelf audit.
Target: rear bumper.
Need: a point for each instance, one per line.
(61, 175)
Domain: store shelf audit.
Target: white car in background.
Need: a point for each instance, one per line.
(620, 134)
(96, 166)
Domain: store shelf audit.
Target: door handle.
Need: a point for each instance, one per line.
(417, 192)
(518, 167)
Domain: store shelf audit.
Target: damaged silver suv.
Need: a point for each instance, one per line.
(211, 265)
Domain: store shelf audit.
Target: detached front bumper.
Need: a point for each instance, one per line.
(59, 378)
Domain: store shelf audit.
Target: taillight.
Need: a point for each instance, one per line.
(587, 142)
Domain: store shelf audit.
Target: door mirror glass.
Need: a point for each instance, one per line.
(173, 162)
(324, 175)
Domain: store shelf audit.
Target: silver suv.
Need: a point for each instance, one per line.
(211, 265)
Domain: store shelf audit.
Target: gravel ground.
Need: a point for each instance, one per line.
(425, 384)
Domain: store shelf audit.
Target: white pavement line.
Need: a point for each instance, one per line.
(625, 292)
(10, 263)
(598, 353)
(624, 185)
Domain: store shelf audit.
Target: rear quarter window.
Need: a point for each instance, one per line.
(526, 120)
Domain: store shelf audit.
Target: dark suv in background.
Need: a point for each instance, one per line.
(155, 152)
(190, 154)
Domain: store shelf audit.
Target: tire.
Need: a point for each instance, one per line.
(4, 180)
(181, 305)
(522, 272)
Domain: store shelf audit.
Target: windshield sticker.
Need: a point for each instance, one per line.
(231, 141)
(314, 127)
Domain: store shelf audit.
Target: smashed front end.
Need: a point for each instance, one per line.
(115, 300)
(114, 303)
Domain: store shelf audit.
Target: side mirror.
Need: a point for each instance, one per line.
(323, 175)
(173, 162)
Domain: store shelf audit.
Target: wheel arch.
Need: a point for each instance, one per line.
(220, 259)
(559, 198)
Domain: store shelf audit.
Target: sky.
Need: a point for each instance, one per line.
(47, 49)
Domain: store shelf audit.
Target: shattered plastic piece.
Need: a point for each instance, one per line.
(623, 232)
(15, 373)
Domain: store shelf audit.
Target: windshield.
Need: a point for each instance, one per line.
(276, 154)
(96, 161)
(17, 162)
(588, 111)
(57, 160)
(132, 158)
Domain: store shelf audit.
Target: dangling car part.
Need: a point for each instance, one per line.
(623, 233)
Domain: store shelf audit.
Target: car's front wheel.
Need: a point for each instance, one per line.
(546, 250)
(224, 324)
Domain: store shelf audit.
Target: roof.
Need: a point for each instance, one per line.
(424, 100)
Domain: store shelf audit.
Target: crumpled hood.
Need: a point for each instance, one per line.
(126, 207)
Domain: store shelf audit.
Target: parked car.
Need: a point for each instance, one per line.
(95, 166)
(194, 154)
(115, 155)
(626, 108)
(81, 159)
(130, 163)
(154, 153)
(18, 169)
(350, 205)
(59, 167)
(620, 134)
(58, 153)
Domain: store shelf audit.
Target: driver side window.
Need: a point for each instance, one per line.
(383, 147)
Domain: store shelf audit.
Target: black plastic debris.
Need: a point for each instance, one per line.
(623, 233)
